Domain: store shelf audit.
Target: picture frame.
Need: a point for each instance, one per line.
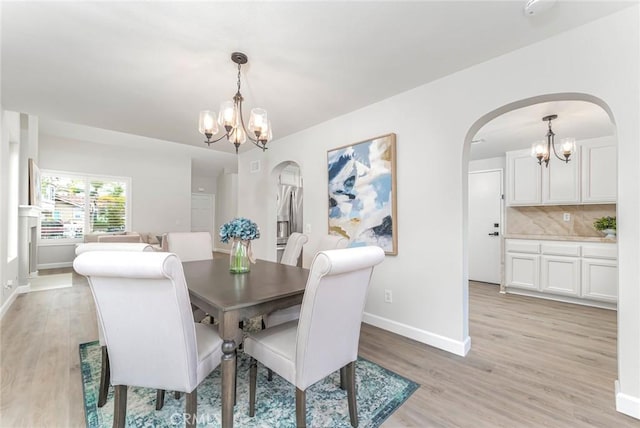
(362, 195)
(35, 184)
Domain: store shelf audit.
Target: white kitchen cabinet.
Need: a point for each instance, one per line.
(524, 186)
(522, 271)
(560, 275)
(590, 177)
(561, 181)
(577, 272)
(600, 279)
(599, 170)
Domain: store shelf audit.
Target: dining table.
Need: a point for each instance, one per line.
(232, 297)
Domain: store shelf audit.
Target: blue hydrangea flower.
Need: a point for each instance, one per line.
(240, 228)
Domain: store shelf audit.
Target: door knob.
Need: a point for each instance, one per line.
(494, 234)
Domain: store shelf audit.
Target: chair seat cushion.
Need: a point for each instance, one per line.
(209, 346)
(275, 348)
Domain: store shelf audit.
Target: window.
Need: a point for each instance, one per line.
(74, 205)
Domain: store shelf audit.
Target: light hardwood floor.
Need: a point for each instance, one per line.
(532, 363)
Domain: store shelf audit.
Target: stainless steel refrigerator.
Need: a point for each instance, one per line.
(289, 214)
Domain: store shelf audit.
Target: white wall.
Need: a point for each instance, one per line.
(485, 164)
(203, 184)
(434, 124)
(160, 183)
(226, 205)
(9, 134)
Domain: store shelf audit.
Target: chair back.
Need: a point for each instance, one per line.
(190, 246)
(112, 246)
(332, 308)
(143, 304)
(293, 249)
(332, 242)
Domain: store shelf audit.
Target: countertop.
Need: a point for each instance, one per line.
(561, 238)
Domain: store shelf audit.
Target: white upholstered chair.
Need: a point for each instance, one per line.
(172, 352)
(328, 242)
(190, 246)
(293, 249)
(325, 338)
(104, 366)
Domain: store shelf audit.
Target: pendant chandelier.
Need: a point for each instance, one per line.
(232, 121)
(542, 149)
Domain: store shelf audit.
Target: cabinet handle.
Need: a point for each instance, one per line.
(494, 234)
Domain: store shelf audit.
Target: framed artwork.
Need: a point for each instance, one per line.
(35, 186)
(362, 193)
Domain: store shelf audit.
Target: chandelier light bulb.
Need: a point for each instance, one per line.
(568, 146)
(227, 117)
(207, 123)
(238, 136)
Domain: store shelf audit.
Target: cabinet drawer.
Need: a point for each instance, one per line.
(520, 246)
(604, 251)
(557, 249)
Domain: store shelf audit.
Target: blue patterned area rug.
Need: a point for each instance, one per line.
(379, 393)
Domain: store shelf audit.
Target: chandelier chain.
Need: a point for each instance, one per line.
(239, 77)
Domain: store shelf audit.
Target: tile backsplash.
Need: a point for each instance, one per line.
(548, 220)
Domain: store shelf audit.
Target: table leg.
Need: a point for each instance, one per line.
(229, 331)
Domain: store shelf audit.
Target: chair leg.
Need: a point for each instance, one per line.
(269, 375)
(343, 378)
(104, 378)
(176, 395)
(253, 373)
(191, 409)
(350, 374)
(120, 406)
(235, 382)
(159, 399)
(301, 409)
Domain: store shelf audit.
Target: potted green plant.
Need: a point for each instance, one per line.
(606, 225)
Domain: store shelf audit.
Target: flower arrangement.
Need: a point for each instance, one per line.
(239, 228)
(604, 223)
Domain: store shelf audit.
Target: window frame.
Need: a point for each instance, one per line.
(87, 178)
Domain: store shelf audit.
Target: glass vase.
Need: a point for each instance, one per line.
(239, 256)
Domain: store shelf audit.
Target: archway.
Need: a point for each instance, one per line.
(471, 135)
(287, 198)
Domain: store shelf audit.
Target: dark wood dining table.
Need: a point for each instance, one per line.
(231, 298)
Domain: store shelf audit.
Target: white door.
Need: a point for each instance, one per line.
(485, 208)
(202, 213)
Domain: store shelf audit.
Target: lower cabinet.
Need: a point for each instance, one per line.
(580, 271)
(523, 271)
(560, 275)
(600, 279)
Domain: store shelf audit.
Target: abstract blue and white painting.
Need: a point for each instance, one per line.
(362, 204)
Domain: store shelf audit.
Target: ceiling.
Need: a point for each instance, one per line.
(148, 68)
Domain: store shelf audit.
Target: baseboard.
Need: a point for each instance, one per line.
(441, 342)
(55, 265)
(7, 304)
(24, 289)
(627, 404)
(222, 250)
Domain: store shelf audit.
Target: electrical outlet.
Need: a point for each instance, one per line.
(566, 217)
(388, 296)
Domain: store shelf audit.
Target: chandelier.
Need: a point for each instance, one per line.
(542, 149)
(232, 121)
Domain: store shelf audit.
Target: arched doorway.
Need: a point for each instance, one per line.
(522, 324)
(287, 185)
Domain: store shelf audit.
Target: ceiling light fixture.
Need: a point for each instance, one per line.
(542, 149)
(230, 118)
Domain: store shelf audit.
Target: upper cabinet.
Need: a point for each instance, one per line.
(524, 186)
(588, 178)
(599, 170)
